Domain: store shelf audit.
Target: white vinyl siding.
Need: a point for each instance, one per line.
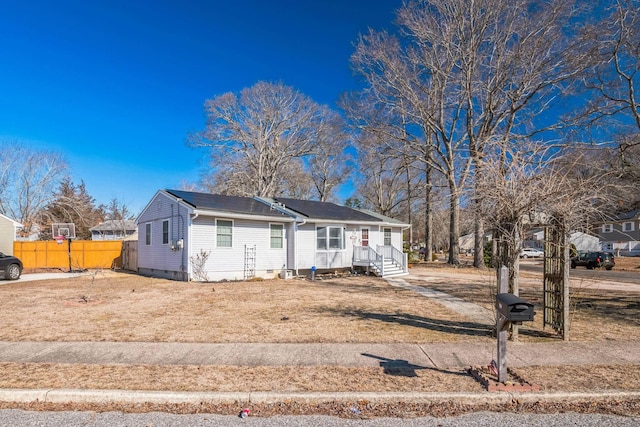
(224, 233)
(276, 236)
(229, 262)
(155, 257)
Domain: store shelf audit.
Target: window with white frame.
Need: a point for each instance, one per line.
(330, 238)
(607, 228)
(387, 236)
(147, 232)
(277, 236)
(224, 233)
(628, 226)
(165, 232)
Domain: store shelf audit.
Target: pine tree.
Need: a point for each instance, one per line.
(72, 204)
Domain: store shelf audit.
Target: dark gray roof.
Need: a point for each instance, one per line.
(325, 210)
(627, 215)
(114, 224)
(231, 204)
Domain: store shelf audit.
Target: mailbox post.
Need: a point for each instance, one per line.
(510, 309)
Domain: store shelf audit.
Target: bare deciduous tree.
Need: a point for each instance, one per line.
(381, 182)
(612, 83)
(28, 180)
(614, 76)
(255, 135)
(467, 76)
(531, 183)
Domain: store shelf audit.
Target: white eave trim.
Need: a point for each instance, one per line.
(14, 222)
(223, 214)
(350, 222)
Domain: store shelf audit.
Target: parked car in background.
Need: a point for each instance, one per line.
(593, 260)
(10, 267)
(531, 253)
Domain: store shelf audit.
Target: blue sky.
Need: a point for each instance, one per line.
(116, 86)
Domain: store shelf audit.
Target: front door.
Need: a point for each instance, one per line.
(364, 236)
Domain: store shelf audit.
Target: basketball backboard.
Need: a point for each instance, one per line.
(66, 229)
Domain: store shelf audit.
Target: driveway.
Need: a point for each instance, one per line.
(533, 278)
(41, 276)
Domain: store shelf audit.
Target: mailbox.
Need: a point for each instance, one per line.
(514, 308)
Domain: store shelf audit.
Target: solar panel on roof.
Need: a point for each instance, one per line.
(325, 210)
(231, 204)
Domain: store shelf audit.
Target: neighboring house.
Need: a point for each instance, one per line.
(582, 241)
(8, 229)
(621, 234)
(197, 236)
(585, 242)
(467, 243)
(113, 230)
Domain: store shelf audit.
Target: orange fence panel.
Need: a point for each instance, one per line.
(74, 254)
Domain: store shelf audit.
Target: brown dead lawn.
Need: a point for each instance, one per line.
(595, 314)
(124, 307)
(127, 307)
(302, 378)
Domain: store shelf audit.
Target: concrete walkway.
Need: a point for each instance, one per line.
(471, 311)
(428, 355)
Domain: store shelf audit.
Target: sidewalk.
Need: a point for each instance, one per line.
(436, 355)
(428, 355)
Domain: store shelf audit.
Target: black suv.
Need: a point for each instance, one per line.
(10, 266)
(594, 260)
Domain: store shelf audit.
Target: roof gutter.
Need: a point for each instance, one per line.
(233, 215)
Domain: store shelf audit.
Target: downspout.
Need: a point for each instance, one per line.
(190, 240)
(295, 241)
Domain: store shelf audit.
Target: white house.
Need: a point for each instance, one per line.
(585, 242)
(244, 237)
(113, 230)
(8, 228)
(582, 241)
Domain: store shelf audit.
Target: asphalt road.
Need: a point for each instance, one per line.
(583, 273)
(19, 418)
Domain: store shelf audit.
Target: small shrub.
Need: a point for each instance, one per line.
(198, 262)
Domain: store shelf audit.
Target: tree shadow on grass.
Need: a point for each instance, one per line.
(439, 325)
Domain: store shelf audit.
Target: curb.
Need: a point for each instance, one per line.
(169, 397)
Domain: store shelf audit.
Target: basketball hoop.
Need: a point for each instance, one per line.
(59, 239)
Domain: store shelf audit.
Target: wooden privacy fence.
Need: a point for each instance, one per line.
(77, 254)
(130, 255)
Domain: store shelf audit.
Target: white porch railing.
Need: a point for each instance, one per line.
(398, 257)
(370, 258)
